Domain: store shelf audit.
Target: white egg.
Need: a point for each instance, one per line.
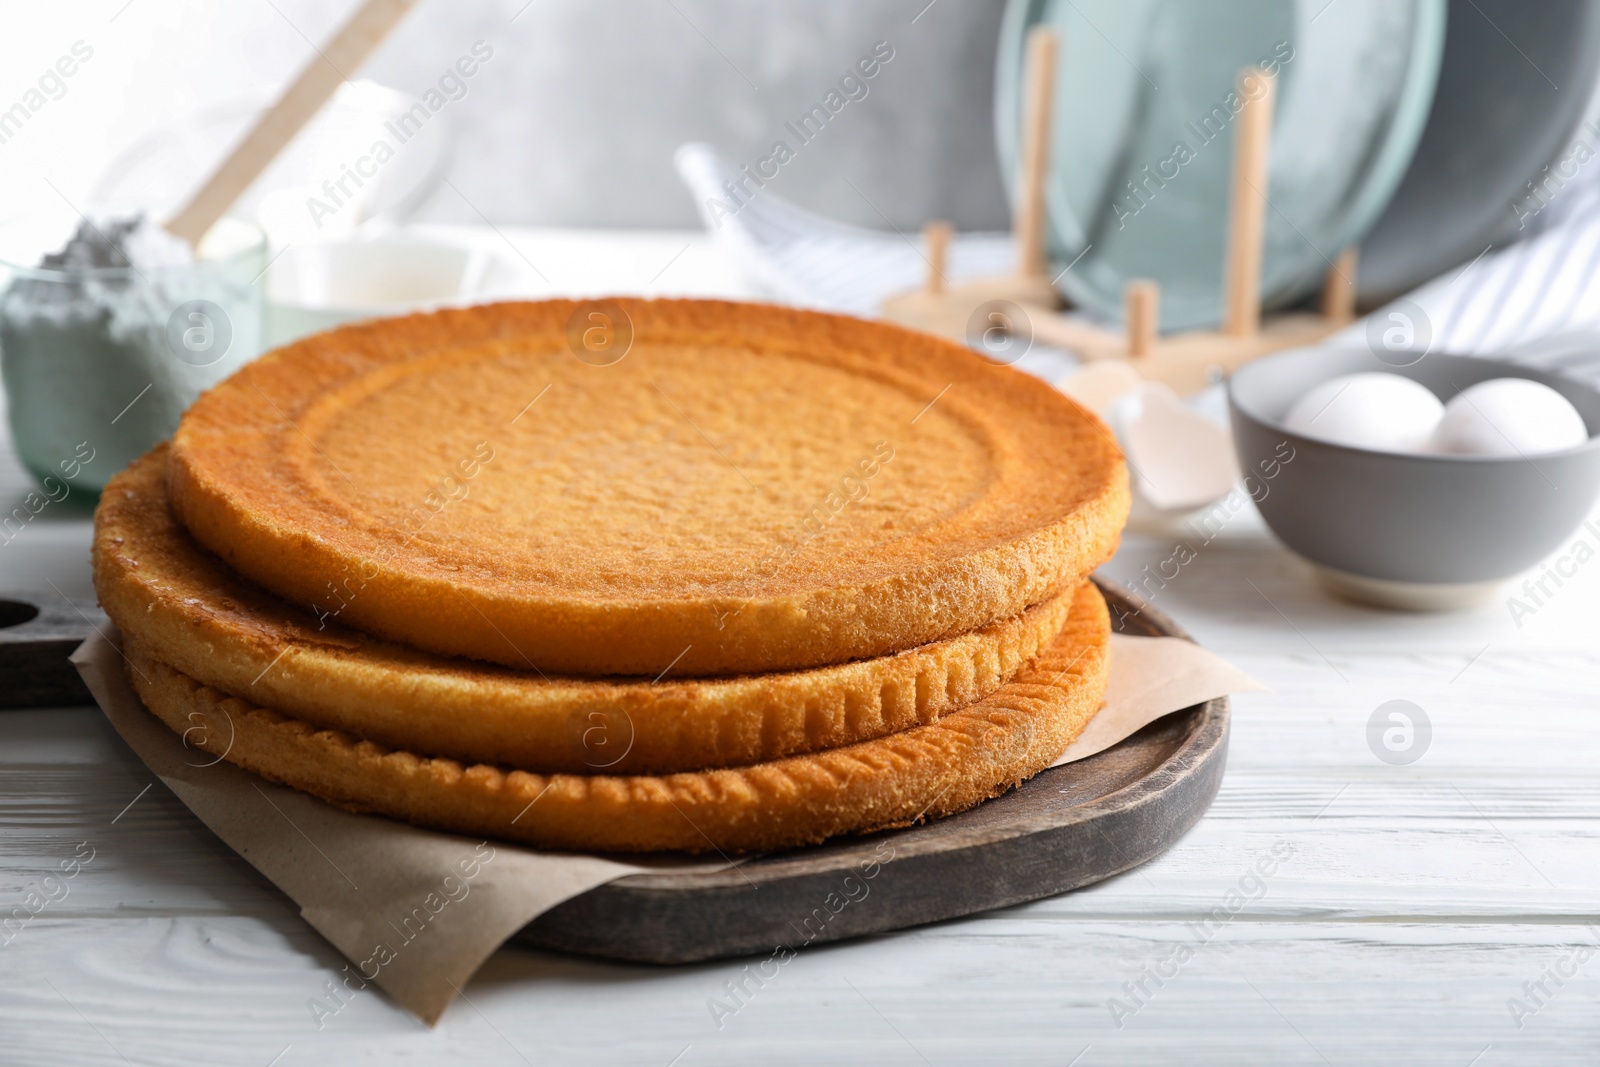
(1382, 412)
(1509, 417)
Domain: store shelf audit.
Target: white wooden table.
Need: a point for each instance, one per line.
(1415, 905)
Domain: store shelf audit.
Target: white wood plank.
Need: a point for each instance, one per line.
(1004, 989)
(1244, 590)
(1370, 841)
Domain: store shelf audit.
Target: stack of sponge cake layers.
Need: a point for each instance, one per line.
(623, 575)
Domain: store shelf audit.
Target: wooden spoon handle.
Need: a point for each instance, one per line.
(304, 98)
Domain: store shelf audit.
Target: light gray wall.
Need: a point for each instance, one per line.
(574, 119)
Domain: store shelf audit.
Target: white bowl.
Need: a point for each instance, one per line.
(315, 287)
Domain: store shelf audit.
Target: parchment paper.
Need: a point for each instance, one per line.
(1152, 677)
(417, 912)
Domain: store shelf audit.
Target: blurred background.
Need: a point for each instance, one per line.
(1430, 130)
(574, 120)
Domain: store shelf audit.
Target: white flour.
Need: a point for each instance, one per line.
(88, 352)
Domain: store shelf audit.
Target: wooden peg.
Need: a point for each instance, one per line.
(1339, 288)
(1141, 303)
(936, 239)
(1247, 205)
(1029, 222)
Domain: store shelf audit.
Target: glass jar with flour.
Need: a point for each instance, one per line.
(104, 343)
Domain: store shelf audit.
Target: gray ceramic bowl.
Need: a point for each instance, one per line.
(1408, 531)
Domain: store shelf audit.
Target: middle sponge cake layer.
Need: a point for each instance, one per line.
(186, 608)
(926, 772)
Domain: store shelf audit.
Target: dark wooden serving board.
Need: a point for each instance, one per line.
(38, 631)
(1066, 827)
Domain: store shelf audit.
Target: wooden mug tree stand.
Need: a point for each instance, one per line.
(1186, 361)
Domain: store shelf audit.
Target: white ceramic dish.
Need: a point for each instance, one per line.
(316, 287)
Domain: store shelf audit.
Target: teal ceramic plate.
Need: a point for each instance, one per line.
(1142, 135)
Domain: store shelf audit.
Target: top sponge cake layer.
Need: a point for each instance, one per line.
(705, 486)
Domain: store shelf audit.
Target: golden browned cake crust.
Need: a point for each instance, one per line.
(925, 772)
(748, 488)
(182, 606)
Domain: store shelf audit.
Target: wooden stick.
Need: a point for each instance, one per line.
(1339, 288)
(1029, 222)
(1089, 341)
(1247, 206)
(304, 98)
(1141, 302)
(936, 236)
